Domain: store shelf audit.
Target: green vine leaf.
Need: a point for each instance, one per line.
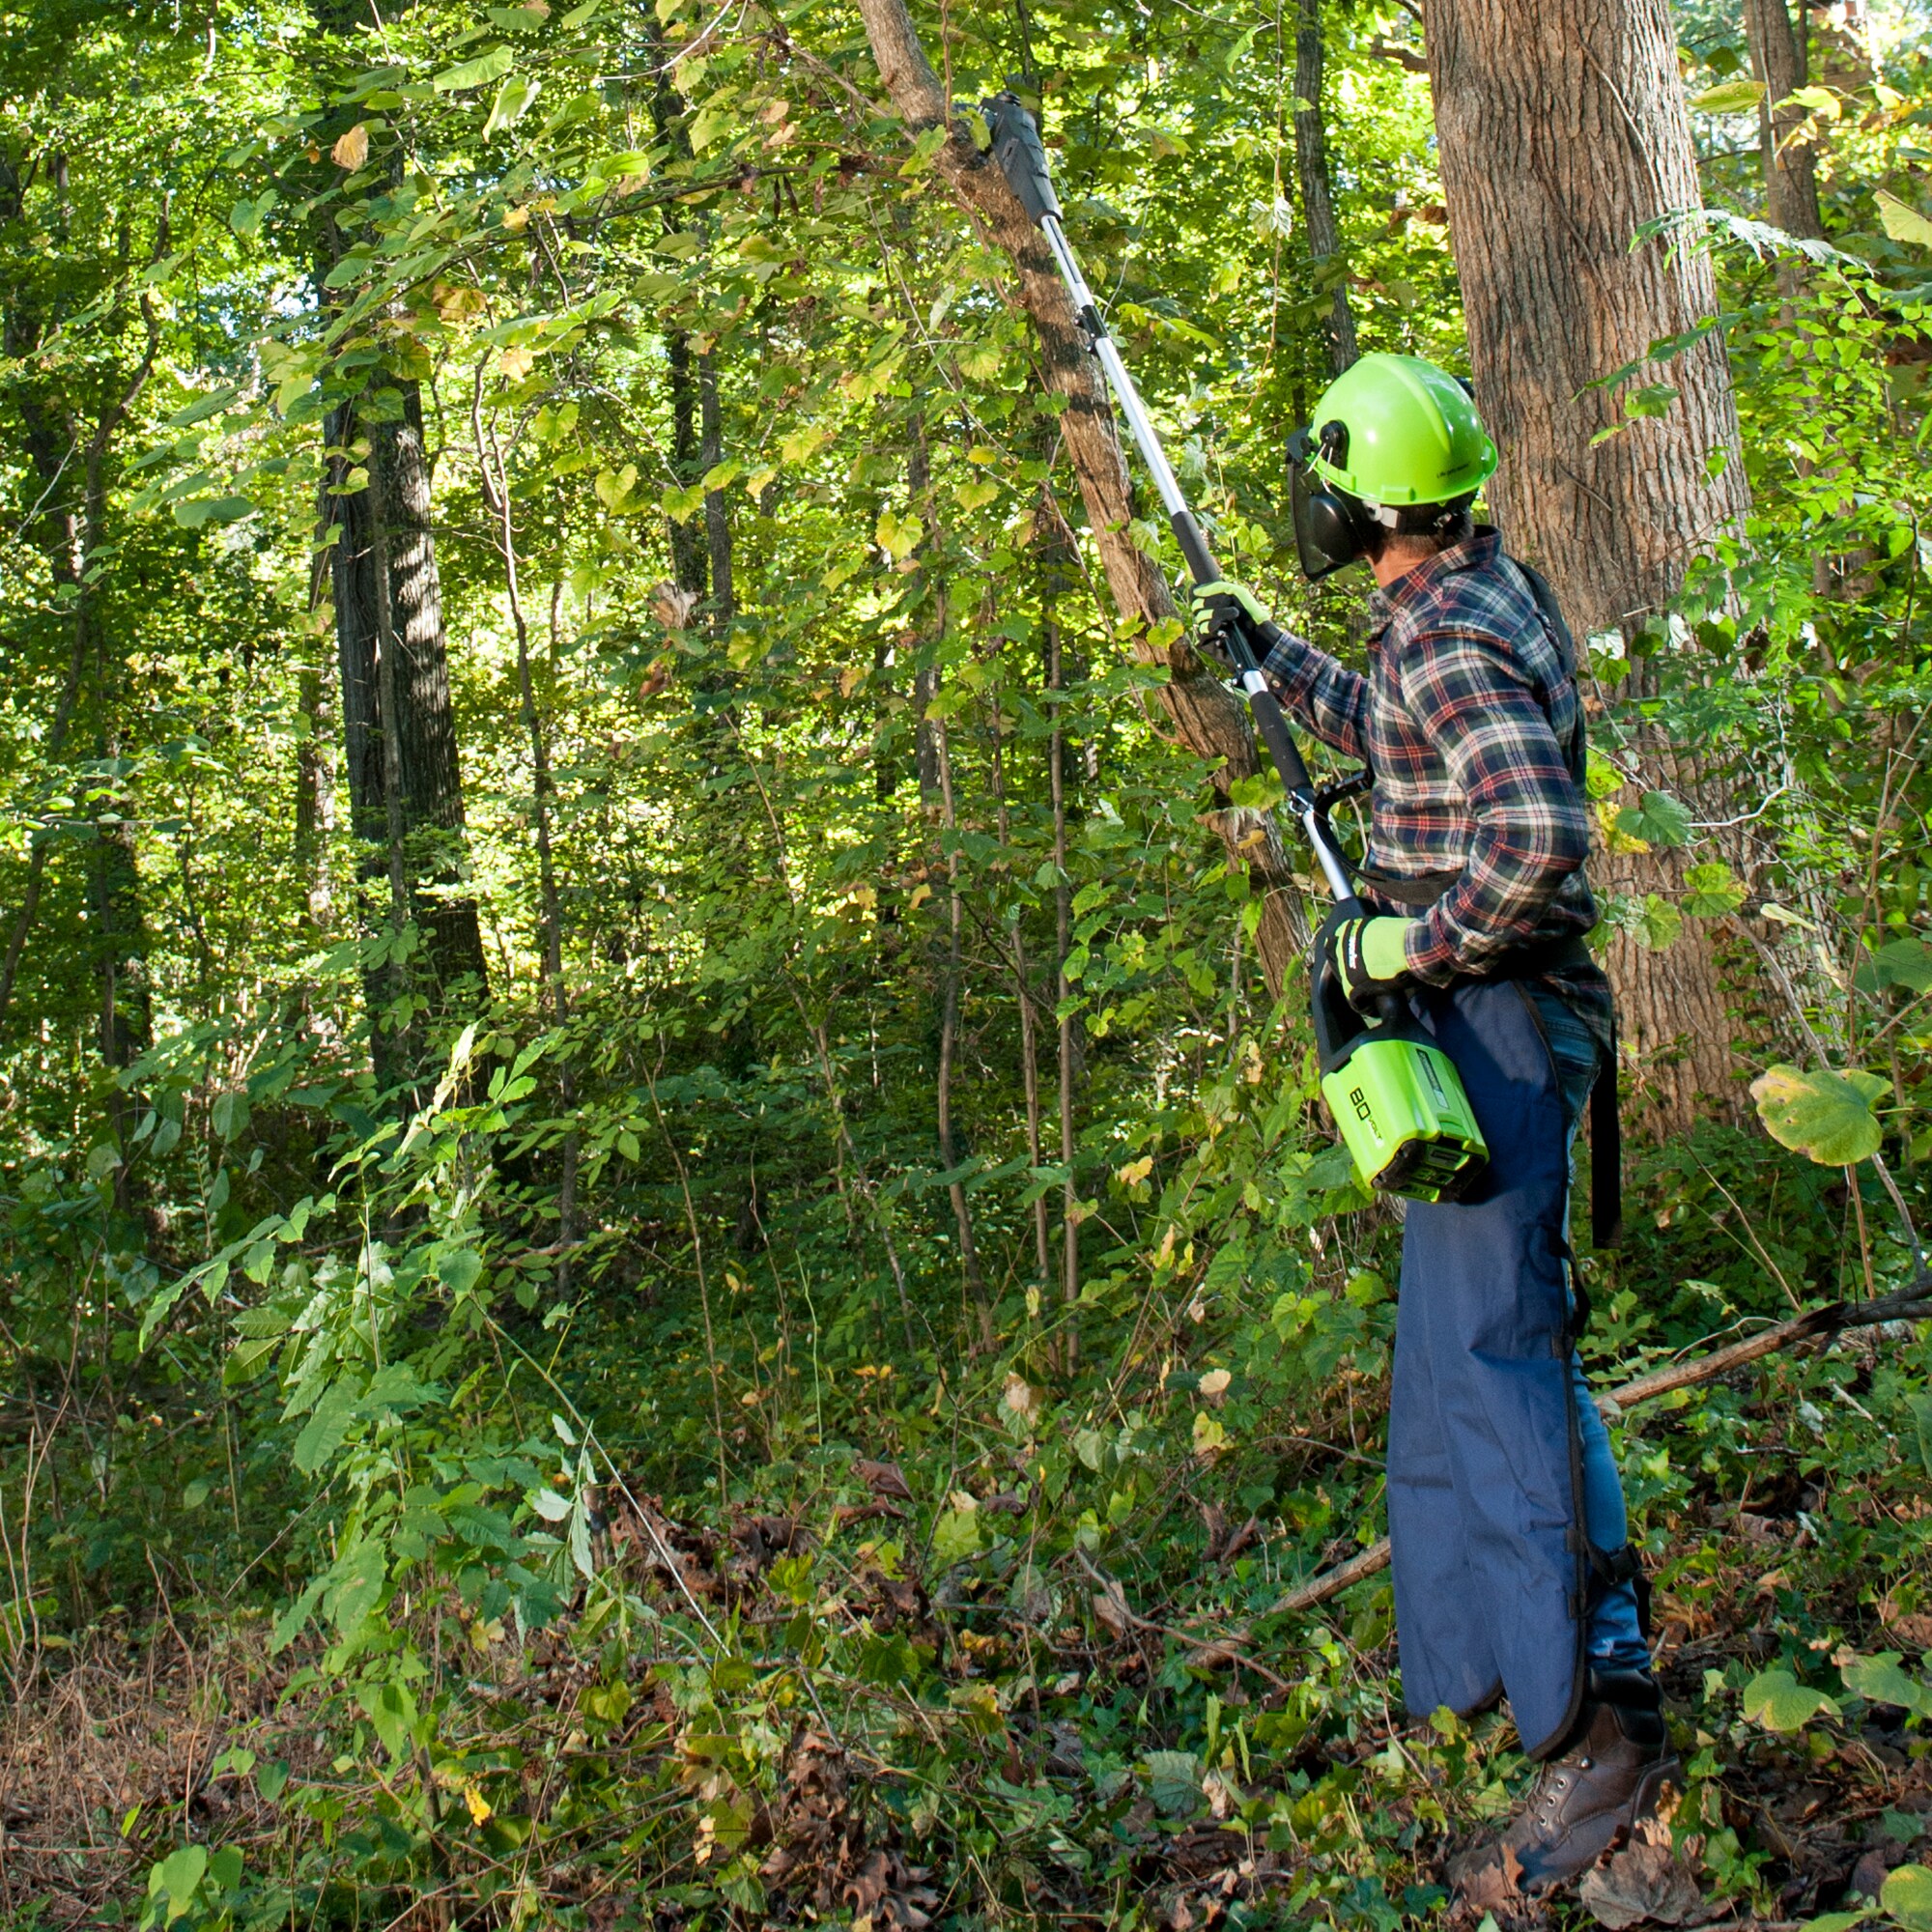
(1827, 1117)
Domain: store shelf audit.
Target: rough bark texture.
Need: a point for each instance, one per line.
(1562, 130)
(431, 821)
(1209, 719)
(1317, 199)
(1790, 163)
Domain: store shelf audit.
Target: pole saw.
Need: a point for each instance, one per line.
(1395, 1096)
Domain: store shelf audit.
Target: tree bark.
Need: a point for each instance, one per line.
(1318, 198)
(717, 510)
(1562, 130)
(1210, 720)
(1790, 163)
(430, 831)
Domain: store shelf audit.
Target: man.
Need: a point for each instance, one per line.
(1513, 1575)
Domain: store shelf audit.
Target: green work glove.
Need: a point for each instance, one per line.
(1224, 597)
(1370, 957)
(1229, 604)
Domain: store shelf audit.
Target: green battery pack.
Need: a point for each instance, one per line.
(1404, 1117)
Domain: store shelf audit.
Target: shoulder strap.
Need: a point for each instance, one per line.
(1577, 751)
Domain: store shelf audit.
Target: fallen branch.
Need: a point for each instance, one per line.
(1204, 1649)
(1908, 1304)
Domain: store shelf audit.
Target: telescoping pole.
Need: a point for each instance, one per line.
(1022, 159)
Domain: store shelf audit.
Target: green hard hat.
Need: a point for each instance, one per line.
(1414, 436)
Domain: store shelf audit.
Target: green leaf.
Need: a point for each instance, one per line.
(323, 1433)
(1712, 891)
(956, 1536)
(1174, 1783)
(1900, 962)
(191, 513)
(1824, 1115)
(1902, 221)
(477, 72)
(975, 494)
(1907, 1895)
(512, 102)
(391, 1712)
(1728, 97)
(245, 217)
(1658, 923)
(178, 1878)
(1920, 1406)
(357, 1580)
(1601, 778)
(1658, 819)
(1776, 1700)
(1880, 1680)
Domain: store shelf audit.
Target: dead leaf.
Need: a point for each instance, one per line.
(671, 606)
(1646, 1880)
(1485, 1878)
(1110, 1605)
(352, 149)
(883, 1479)
(1021, 1397)
(516, 364)
(654, 679)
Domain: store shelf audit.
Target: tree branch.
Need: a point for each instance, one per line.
(1908, 1304)
(1211, 720)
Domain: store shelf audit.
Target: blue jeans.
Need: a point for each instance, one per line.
(1614, 1638)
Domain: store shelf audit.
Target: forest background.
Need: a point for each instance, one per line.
(669, 1257)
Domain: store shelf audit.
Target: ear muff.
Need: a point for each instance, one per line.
(1332, 529)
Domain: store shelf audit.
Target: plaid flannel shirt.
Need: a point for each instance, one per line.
(1463, 718)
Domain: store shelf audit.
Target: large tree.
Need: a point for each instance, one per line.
(1563, 130)
(399, 727)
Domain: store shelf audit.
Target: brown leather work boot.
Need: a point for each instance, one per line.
(1613, 1770)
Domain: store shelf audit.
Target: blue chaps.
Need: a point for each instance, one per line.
(1499, 1472)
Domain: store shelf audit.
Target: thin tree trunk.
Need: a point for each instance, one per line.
(949, 1051)
(1028, 1036)
(389, 740)
(1062, 930)
(1317, 199)
(717, 511)
(933, 742)
(1790, 163)
(315, 796)
(1211, 720)
(1562, 130)
(494, 471)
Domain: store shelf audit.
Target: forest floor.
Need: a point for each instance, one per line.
(887, 1738)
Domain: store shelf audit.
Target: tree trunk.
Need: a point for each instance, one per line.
(1317, 199)
(428, 819)
(1562, 130)
(1023, 980)
(717, 511)
(315, 796)
(1209, 719)
(1062, 945)
(1790, 163)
